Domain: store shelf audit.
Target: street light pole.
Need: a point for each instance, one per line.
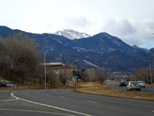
(150, 74)
(45, 70)
(90, 78)
(144, 74)
(91, 74)
(72, 67)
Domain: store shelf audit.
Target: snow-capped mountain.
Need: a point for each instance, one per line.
(71, 34)
(100, 51)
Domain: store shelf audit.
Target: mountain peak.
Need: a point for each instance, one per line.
(71, 34)
(139, 48)
(105, 34)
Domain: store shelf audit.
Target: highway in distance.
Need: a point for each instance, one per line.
(65, 102)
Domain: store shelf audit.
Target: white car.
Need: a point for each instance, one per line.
(133, 85)
(141, 83)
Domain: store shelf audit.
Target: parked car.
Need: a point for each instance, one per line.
(3, 85)
(123, 83)
(133, 85)
(141, 83)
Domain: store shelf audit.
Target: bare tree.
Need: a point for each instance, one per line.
(141, 74)
(144, 74)
(51, 78)
(89, 75)
(62, 78)
(20, 56)
(102, 75)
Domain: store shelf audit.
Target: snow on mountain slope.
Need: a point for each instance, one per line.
(97, 67)
(71, 34)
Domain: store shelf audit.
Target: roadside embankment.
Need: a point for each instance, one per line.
(104, 90)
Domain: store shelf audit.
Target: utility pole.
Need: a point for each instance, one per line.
(144, 74)
(147, 75)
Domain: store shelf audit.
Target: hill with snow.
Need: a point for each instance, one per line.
(71, 34)
(101, 51)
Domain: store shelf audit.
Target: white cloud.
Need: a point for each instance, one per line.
(78, 22)
(119, 27)
(90, 16)
(131, 31)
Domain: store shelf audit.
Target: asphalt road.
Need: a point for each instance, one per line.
(65, 102)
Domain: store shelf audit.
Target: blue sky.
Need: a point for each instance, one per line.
(130, 20)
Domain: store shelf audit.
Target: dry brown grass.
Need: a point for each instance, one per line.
(104, 90)
(152, 84)
(18, 88)
(84, 84)
(58, 85)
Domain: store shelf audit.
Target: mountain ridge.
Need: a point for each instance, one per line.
(101, 50)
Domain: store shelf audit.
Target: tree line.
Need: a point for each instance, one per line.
(20, 60)
(145, 74)
(91, 75)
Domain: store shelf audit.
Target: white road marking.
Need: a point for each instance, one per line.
(12, 94)
(91, 101)
(33, 111)
(50, 106)
(62, 96)
(152, 110)
(68, 90)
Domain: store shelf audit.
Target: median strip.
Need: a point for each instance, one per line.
(104, 90)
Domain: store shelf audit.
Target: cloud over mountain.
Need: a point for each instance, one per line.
(78, 22)
(131, 31)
